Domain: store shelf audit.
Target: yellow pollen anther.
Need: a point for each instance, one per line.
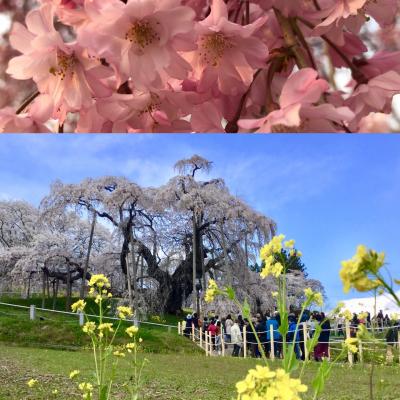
(213, 48)
(142, 34)
(65, 62)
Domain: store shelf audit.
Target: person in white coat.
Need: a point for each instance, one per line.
(236, 338)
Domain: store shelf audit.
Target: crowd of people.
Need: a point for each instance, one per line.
(228, 331)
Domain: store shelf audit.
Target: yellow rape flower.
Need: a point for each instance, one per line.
(314, 297)
(32, 382)
(74, 373)
(356, 272)
(124, 312)
(106, 327)
(78, 306)
(362, 315)
(346, 314)
(274, 269)
(119, 354)
(130, 347)
(394, 317)
(100, 281)
(86, 387)
(132, 331)
(351, 344)
(289, 243)
(212, 291)
(274, 246)
(263, 383)
(89, 327)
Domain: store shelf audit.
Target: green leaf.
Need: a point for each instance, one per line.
(230, 293)
(246, 309)
(323, 373)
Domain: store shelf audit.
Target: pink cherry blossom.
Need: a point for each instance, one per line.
(297, 109)
(201, 65)
(59, 69)
(228, 54)
(143, 39)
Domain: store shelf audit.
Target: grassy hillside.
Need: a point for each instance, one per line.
(53, 330)
(171, 376)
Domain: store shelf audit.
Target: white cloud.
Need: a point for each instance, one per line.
(383, 302)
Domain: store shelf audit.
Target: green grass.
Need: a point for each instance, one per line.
(60, 331)
(172, 376)
(177, 368)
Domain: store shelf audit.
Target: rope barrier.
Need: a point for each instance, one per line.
(89, 315)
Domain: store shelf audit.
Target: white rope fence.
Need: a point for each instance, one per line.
(33, 315)
(217, 345)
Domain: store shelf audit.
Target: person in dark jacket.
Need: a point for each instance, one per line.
(322, 348)
(275, 334)
(260, 329)
(304, 319)
(290, 337)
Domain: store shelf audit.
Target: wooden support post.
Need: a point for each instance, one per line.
(360, 351)
(32, 312)
(201, 337)
(206, 342)
(398, 343)
(244, 342)
(179, 328)
(193, 337)
(349, 353)
(271, 343)
(81, 318)
(305, 341)
(222, 344)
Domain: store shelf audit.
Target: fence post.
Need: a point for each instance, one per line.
(201, 337)
(305, 341)
(222, 344)
(271, 343)
(349, 353)
(206, 342)
(360, 350)
(32, 312)
(81, 318)
(179, 328)
(210, 344)
(398, 343)
(193, 337)
(244, 342)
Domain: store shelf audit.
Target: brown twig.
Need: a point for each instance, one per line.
(290, 39)
(26, 102)
(357, 74)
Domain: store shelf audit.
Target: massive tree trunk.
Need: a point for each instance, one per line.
(85, 268)
(172, 287)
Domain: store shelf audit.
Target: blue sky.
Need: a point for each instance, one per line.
(328, 192)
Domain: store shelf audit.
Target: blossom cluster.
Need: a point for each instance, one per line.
(203, 66)
(360, 271)
(263, 383)
(270, 252)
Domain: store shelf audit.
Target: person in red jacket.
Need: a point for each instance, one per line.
(212, 329)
